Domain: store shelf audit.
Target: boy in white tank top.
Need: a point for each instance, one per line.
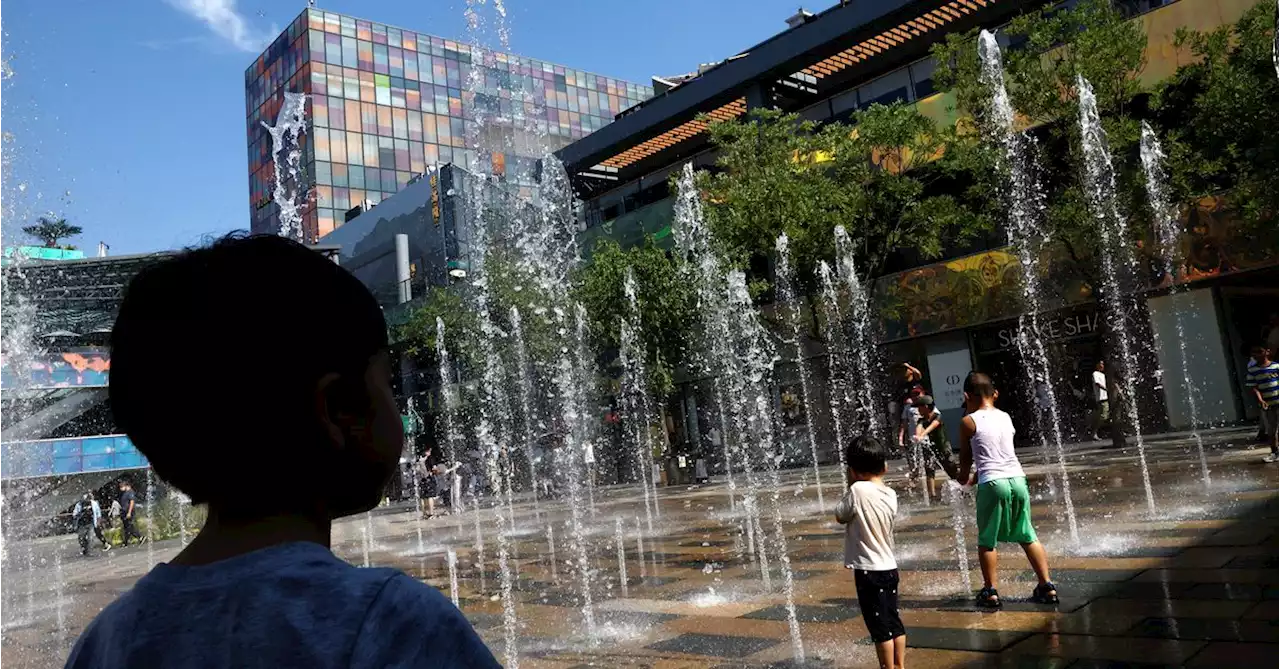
(1004, 504)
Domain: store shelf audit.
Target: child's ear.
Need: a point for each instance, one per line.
(995, 395)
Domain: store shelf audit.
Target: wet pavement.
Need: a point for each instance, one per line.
(1193, 585)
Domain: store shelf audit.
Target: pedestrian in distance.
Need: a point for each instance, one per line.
(88, 518)
(280, 454)
(1263, 380)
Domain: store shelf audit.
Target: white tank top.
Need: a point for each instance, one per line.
(992, 445)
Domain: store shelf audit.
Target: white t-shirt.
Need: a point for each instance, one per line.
(1099, 386)
(992, 446)
(910, 421)
(867, 511)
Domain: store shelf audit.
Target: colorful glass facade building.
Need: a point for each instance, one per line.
(385, 104)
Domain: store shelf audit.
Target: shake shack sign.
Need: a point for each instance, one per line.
(1063, 325)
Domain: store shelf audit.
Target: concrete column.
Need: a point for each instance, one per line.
(402, 268)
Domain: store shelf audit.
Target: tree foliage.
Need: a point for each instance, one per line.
(889, 178)
(664, 299)
(1053, 45)
(1220, 116)
(50, 230)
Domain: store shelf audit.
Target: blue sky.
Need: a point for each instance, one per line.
(128, 117)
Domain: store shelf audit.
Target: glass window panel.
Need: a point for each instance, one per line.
(364, 30)
(379, 34)
(368, 118)
(394, 36)
(456, 125)
(322, 145)
(384, 121)
(315, 42)
(411, 66)
(412, 98)
(364, 55)
(355, 148)
(380, 58)
(424, 68)
(370, 143)
(455, 104)
(373, 181)
(388, 181)
(324, 192)
(337, 117)
(446, 154)
(332, 23)
(338, 146)
(417, 164)
(350, 83)
(352, 111)
(333, 49)
(402, 154)
(395, 60)
(414, 121)
(320, 111)
(383, 89)
(429, 128)
(397, 93)
(357, 194)
(319, 81)
(443, 135)
(341, 200)
(348, 26)
(366, 87)
(340, 172)
(431, 154)
(325, 223)
(409, 41)
(334, 80)
(315, 19)
(356, 177)
(402, 179)
(349, 57)
(399, 124)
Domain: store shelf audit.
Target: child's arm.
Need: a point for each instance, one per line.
(967, 429)
(845, 510)
(922, 432)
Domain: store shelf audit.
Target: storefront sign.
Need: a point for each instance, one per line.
(1061, 326)
(947, 371)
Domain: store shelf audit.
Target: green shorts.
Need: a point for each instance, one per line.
(1004, 512)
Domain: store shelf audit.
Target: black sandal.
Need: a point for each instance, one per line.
(1045, 593)
(988, 598)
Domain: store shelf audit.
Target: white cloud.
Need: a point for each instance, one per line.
(226, 22)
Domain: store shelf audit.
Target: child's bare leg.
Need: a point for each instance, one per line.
(1039, 561)
(987, 558)
(884, 654)
(900, 652)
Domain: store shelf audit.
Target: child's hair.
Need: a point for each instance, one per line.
(978, 385)
(866, 454)
(216, 357)
(924, 401)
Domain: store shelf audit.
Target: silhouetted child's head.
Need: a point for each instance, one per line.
(1260, 354)
(979, 391)
(865, 457)
(294, 412)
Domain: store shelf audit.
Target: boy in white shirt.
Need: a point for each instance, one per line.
(867, 512)
(1003, 502)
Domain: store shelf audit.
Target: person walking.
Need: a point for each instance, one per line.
(1101, 403)
(128, 516)
(88, 516)
(1263, 380)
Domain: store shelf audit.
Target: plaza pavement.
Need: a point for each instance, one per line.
(1192, 585)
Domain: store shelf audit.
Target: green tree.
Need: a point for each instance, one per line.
(50, 230)
(1092, 39)
(664, 299)
(892, 178)
(1219, 117)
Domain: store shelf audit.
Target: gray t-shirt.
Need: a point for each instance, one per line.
(292, 605)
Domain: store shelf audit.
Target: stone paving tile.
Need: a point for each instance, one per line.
(1219, 654)
(807, 613)
(714, 645)
(1124, 649)
(1209, 629)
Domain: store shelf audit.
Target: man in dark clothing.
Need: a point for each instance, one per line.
(88, 516)
(127, 507)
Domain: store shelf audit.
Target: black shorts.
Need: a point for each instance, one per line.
(878, 599)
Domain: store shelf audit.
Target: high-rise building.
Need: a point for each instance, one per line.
(385, 104)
